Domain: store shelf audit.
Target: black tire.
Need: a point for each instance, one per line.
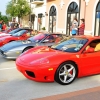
(66, 73)
(27, 49)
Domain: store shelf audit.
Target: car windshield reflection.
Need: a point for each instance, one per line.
(14, 31)
(73, 44)
(37, 38)
(19, 33)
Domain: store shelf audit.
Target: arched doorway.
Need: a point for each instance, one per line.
(72, 12)
(97, 20)
(52, 19)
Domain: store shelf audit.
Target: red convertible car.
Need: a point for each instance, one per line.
(20, 35)
(75, 57)
(6, 31)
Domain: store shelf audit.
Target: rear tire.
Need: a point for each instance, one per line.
(66, 73)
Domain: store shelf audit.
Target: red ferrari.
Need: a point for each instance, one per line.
(72, 58)
(6, 31)
(20, 35)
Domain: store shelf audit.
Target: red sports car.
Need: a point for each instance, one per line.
(6, 31)
(20, 35)
(75, 57)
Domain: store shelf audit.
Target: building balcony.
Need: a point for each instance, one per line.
(37, 1)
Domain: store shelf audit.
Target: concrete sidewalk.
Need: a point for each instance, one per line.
(87, 94)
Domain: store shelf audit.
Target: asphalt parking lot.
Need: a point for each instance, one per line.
(14, 86)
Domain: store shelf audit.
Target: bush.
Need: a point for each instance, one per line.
(43, 28)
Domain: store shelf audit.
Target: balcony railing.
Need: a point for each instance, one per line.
(37, 1)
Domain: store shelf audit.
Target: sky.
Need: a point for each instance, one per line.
(3, 4)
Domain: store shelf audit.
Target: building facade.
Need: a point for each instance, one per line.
(60, 14)
(37, 16)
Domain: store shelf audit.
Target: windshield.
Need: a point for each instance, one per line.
(19, 33)
(37, 38)
(14, 31)
(73, 44)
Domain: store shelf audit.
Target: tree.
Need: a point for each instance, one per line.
(18, 9)
(0, 16)
(4, 18)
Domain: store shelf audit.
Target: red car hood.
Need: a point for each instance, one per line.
(34, 55)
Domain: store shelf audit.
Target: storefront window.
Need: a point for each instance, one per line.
(52, 19)
(72, 12)
(97, 20)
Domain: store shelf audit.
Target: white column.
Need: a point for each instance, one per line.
(43, 21)
(35, 22)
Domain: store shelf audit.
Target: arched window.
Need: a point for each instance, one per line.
(52, 19)
(72, 12)
(97, 20)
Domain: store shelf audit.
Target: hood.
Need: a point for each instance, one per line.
(11, 45)
(38, 54)
(6, 36)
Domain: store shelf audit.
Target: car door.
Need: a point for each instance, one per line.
(90, 61)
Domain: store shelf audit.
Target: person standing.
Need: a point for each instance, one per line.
(0, 25)
(30, 24)
(81, 27)
(74, 27)
(4, 26)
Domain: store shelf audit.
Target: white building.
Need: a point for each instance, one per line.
(37, 16)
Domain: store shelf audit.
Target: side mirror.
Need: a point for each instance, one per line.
(90, 50)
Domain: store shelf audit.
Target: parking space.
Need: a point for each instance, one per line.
(14, 86)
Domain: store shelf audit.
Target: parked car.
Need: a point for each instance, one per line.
(13, 32)
(20, 35)
(64, 62)
(6, 31)
(13, 49)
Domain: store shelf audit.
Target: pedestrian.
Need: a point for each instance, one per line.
(16, 25)
(74, 27)
(0, 25)
(81, 27)
(9, 24)
(30, 24)
(4, 26)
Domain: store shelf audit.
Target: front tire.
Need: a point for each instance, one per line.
(66, 73)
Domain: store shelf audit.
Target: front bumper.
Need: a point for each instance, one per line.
(10, 54)
(36, 72)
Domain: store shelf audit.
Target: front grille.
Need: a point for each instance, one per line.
(31, 74)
